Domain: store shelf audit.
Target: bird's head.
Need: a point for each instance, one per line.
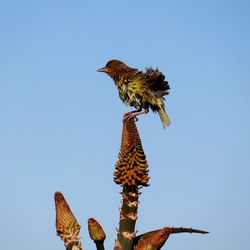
(114, 68)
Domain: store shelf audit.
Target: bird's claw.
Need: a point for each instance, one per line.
(129, 115)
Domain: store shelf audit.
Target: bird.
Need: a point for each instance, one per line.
(138, 89)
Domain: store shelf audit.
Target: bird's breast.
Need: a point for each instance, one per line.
(129, 96)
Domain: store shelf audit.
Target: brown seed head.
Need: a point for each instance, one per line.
(131, 168)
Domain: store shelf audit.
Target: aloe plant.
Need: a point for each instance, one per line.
(131, 173)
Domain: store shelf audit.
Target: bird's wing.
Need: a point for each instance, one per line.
(132, 75)
(156, 82)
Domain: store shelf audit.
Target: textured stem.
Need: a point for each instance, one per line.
(128, 217)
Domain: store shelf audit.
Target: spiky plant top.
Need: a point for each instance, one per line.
(67, 226)
(131, 172)
(131, 168)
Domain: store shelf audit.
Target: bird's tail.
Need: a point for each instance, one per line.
(164, 117)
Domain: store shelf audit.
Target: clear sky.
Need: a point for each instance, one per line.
(60, 126)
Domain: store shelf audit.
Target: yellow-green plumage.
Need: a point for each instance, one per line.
(142, 90)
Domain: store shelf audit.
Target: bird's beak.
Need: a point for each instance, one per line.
(104, 69)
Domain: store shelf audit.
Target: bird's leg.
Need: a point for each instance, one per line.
(130, 114)
(134, 114)
(134, 111)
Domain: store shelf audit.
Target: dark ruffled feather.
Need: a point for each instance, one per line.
(156, 82)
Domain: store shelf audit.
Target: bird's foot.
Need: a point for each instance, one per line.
(129, 115)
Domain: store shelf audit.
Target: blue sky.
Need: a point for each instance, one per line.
(60, 126)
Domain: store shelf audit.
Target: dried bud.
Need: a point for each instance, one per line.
(96, 232)
(67, 226)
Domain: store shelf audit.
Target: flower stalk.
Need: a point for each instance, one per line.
(131, 173)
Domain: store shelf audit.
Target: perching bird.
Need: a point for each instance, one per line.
(142, 90)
